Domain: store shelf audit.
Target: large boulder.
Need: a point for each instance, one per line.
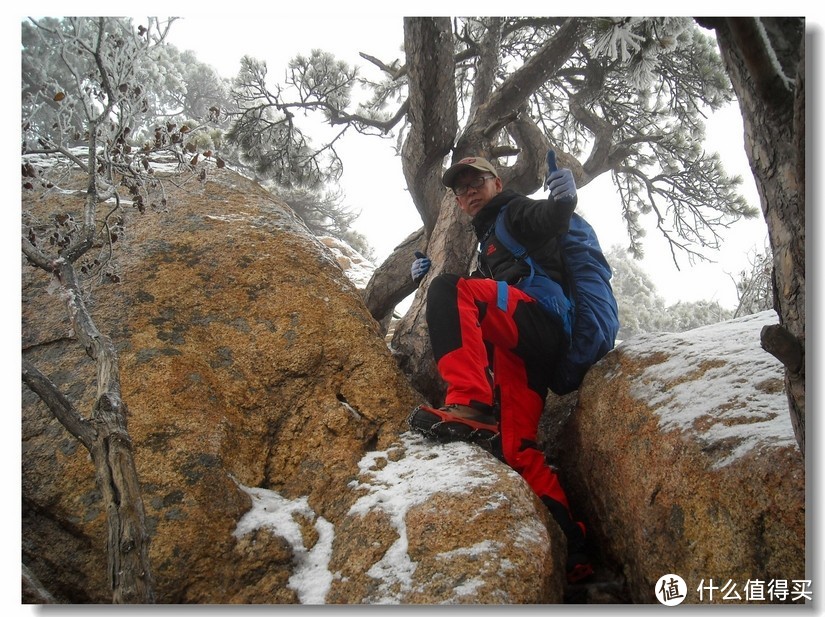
(431, 524)
(682, 455)
(258, 384)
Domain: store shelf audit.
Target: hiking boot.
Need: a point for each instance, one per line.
(578, 567)
(578, 561)
(454, 423)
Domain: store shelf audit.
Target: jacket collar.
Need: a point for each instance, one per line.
(487, 216)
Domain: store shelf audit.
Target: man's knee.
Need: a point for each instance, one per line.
(442, 288)
(442, 296)
(443, 319)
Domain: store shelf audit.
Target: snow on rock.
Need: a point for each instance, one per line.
(717, 380)
(311, 577)
(394, 486)
(682, 454)
(358, 268)
(450, 524)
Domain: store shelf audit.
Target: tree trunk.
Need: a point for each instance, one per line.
(433, 128)
(391, 282)
(106, 438)
(432, 114)
(433, 118)
(451, 248)
(765, 60)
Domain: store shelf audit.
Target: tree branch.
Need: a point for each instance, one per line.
(35, 256)
(784, 346)
(391, 282)
(111, 450)
(58, 404)
(341, 117)
(397, 73)
(526, 176)
(394, 71)
(487, 64)
(503, 105)
(549, 58)
(34, 592)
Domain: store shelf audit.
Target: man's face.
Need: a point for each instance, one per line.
(475, 198)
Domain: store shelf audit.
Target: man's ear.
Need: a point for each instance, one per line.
(499, 185)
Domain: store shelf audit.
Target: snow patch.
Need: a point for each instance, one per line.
(358, 268)
(311, 579)
(395, 486)
(229, 218)
(717, 383)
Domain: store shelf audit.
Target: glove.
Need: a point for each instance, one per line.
(559, 182)
(420, 266)
(562, 186)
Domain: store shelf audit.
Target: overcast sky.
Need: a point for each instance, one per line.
(373, 182)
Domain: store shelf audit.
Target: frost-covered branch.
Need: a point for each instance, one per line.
(86, 87)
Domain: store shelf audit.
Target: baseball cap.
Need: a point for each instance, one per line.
(470, 162)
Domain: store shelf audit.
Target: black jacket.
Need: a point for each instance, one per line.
(537, 224)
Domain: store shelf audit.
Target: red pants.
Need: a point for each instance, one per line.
(488, 349)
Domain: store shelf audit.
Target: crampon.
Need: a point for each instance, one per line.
(444, 426)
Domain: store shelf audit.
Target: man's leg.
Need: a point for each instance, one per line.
(462, 314)
(456, 309)
(521, 409)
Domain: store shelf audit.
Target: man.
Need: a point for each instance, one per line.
(494, 345)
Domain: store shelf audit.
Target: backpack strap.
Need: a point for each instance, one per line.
(515, 247)
(547, 292)
(502, 295)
